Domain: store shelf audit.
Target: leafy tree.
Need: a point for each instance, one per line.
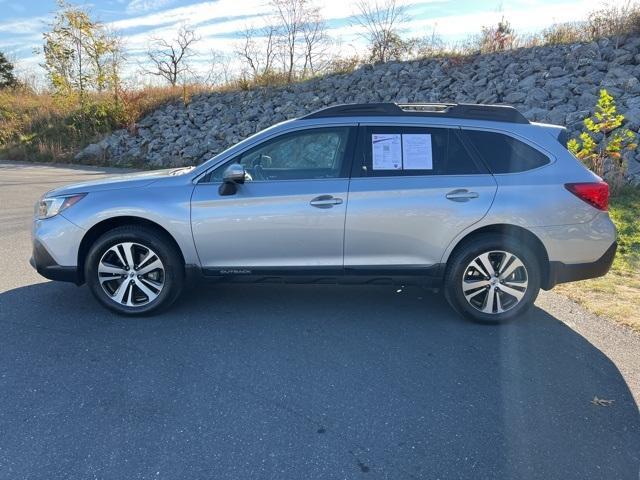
(79, 52)
(604, 142)
(7, 79)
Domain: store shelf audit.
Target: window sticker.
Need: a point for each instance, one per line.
(387, 151)
(416, 152)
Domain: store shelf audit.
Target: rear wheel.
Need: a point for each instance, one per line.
(492, 278)
(134, 270)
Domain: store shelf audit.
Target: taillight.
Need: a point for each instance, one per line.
(594, 193)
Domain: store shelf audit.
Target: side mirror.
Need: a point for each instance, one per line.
(234, 174)
(231, 178)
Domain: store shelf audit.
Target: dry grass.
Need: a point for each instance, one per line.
(44, 127)
(617, 294)
(138, 103)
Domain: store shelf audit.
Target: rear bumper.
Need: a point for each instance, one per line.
(560, 272)
(46, 266)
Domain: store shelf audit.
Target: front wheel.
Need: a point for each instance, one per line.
(134, 270)
(492, 278)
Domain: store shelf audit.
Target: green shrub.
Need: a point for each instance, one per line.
(602, 145)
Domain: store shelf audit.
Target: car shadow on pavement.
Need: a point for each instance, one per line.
(305, 381)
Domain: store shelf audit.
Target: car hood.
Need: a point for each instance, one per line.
(129, 180)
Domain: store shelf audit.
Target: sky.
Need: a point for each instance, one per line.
(219, 23)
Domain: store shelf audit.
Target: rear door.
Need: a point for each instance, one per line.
(413, 189)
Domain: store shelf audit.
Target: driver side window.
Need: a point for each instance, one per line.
(305, 154)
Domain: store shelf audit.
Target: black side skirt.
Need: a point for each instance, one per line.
(384, 275)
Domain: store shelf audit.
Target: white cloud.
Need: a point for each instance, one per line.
(24, 26)
(225, 17)
(221, 9)
(526, 20)
(139, 6)
(192, 14)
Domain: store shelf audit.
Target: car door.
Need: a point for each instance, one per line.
(416, 188)
(288, 214)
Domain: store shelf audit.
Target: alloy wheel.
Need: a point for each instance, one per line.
(131, 274)
(495, 282)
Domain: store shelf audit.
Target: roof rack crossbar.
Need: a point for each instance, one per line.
(425, 107)
(496, 113)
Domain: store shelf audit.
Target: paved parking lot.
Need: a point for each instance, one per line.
(299, 382)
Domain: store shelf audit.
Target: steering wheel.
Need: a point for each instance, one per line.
(257, 170)
(258, 173)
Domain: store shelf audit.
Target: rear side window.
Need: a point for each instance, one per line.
(505, 154)
(416, 151)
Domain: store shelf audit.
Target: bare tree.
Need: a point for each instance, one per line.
(430, 45)
(170, 59)
(316, 44)
(380, 22)
(258, 50)
(219, 72)
(290, 16)
(295, 38)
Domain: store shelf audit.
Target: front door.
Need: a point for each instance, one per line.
(290, 212)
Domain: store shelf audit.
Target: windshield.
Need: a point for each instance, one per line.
(182, 171)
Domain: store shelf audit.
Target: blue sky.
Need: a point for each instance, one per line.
(219, 22)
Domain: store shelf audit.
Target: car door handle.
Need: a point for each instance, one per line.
(325, 201)
(461, 195)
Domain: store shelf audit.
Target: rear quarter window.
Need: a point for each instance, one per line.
(505, 154)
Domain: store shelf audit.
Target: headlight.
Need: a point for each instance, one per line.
(50, 206)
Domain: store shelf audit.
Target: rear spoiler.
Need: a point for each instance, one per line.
(558, 132)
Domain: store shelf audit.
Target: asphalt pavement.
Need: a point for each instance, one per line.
(299, 382)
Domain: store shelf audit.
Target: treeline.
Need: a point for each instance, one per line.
(84, 63)
(82, 55)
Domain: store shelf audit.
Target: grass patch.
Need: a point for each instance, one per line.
(617, 294)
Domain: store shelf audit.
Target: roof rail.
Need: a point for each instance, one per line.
(496, 113)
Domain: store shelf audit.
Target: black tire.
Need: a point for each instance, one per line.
(470, 250)
(173, 274)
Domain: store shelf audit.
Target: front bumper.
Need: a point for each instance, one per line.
(55, 248)
(46, 266)
(560, 272)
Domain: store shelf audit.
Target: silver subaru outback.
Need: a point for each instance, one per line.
(471, 198)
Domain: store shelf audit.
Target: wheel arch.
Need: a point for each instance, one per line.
(104, 226)
(519, 233)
